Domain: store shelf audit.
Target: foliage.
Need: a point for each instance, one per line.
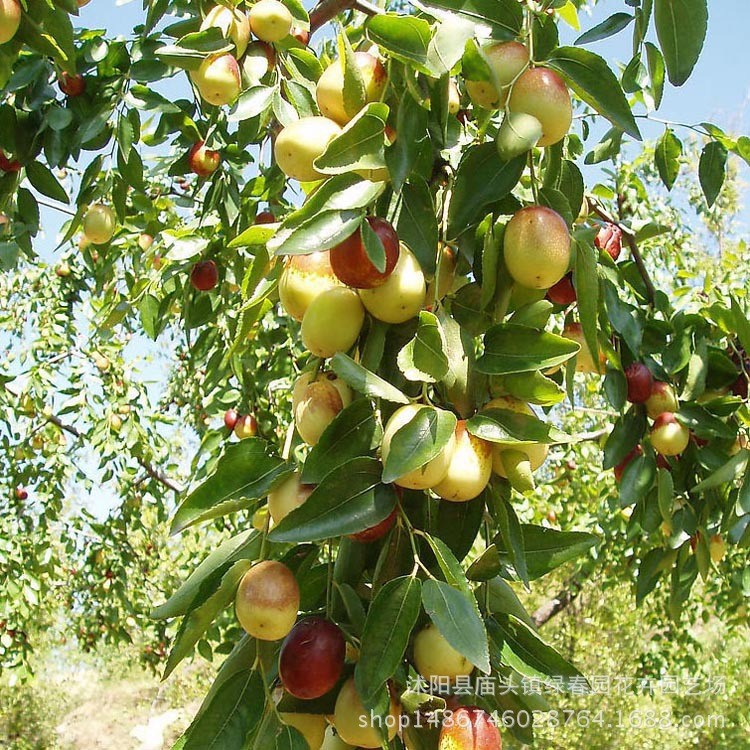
(81, 412)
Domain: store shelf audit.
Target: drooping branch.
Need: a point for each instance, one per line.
(634, 250)
(150, 469)
(562, 600)
(325, 10)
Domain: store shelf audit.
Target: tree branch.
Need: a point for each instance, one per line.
(556, 605)
(150, 469)
(325, 10)
(634, 251)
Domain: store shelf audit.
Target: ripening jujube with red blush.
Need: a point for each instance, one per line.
(541, 92)
(469, 728)
(246, 426)
(72, 85)
(218, 79)
(639, 382)
(267, 601)
(506, 61)
(311, 659)
(662, 398)
(352, 265)
(203, 161)
(204, 275)
(230, 418)
(668, 436)
(609, 239)
(265, 217)
(537, 247)
(563, 293)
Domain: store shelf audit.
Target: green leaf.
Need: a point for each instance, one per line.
(534, 388)
(667, 157)
(609, 27)
(637, 479)
(192, 49)
(681, 26)
(360, 145)
(447, 46)
(511, 349)
(244, 546)
(45, 182)
(411, 125)
(365, 382)
(511, 533)
(405, 38)
(704, 424)
(424, 358)
(586, 282)
(449, 564)
(457, 618)
(348, 500)
(244, 473)
(351, 434)
(712, 170)
(626, 434)
(418, 441)
(390, 620)
(233, 713)
(251, 103)
(199, 618)
(290, 738)
(373, 246)
(593, 81)
(482, 178)
(547, 549)
(656, 72)
(522, 648)
(510, 427)
(355, 91)
(727, 472)
(504, 17)
(649, 572)
(417, 224)
(150, 318)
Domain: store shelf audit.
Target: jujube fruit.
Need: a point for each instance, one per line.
(354, 722)
(288, 496)
(639, 381)
(300, 143)
(311, 726)
(332, 322)
(270, 20)
(204, 275)
(662, 398)
(303, 278)
(233, 23)
(99, 224)
(403, 293)
(267, 601)
(315, 403)
(541, 92)
(311, 659)
(537, 247)
(329, 91)
(506, 61)
(218, 79)
(435, 658)
(352, 265)
(469, 468)
(469, 728)
(668, 436)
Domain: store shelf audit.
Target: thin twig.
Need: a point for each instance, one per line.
(634, 251)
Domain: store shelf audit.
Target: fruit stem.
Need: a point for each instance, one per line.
(326, 10)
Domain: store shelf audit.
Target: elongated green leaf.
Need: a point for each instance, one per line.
(418, 441)
(449, 565)
(511, 349)
(593, 81)
(417, 225)
(244, 546)
(235, 711)
(390, 619)
(681, 26)
(199, 619)
(625, 435)
(244, 473)
(482, 178)
(348, 500)
(457, 618)
(511, 534)
(586, 282)
(351, 434)
(712, 170)
(519, 646)
(610, 26)
(45, 182)
(406, 38)
(505, 426)
(546, 549)
(411, 125)
(360, 145)
(667, 157)
(728, 472)
(504, 17)
(364, 381)
(424, 358)
(534, 388)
